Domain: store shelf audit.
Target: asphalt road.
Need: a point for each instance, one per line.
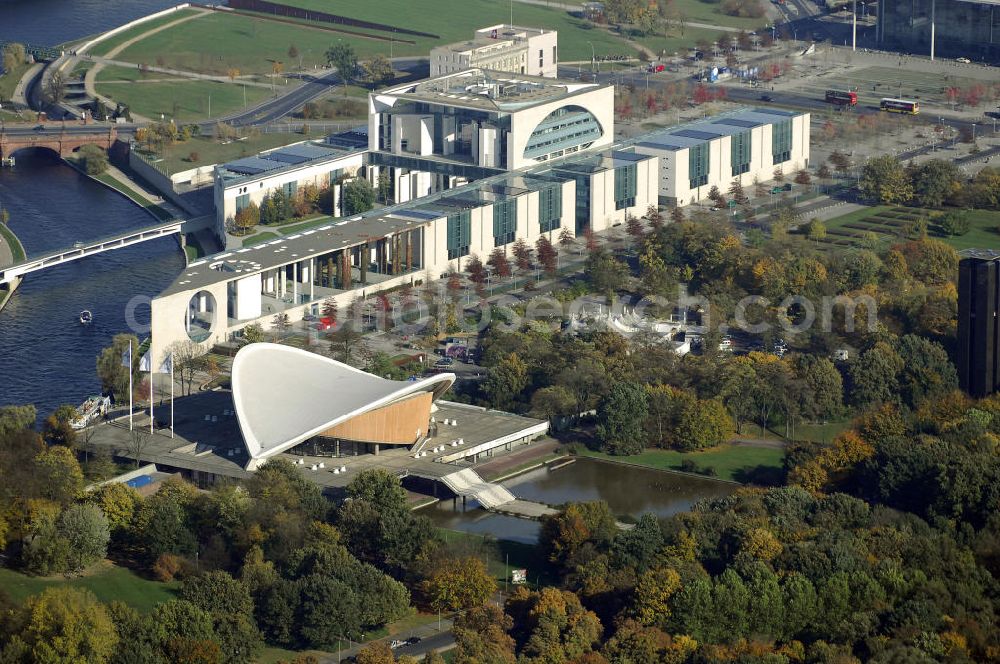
(440, 642)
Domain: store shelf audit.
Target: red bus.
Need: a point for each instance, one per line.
(900, 106)
(842, 98)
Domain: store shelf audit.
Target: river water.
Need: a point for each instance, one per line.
(51, 22)
(629, 492)
(46, 357)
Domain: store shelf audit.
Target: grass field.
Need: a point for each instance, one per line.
(501, 555)
(10, 79)
(176, 157)
(106, 46)
(16, 249)
(890, 224)
(112, 73)
(182, 100)
(736, 463)
(216, 42)
(108, 583)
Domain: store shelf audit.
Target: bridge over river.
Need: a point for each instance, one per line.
(12, 274)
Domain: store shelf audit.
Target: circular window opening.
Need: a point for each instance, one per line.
(200, 316)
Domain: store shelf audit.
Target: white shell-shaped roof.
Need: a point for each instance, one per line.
(284, 395)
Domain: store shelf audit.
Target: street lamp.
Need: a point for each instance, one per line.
(593, 58)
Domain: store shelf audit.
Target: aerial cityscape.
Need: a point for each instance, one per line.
(524, 332)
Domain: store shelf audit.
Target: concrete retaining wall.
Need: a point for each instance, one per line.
(121, 28)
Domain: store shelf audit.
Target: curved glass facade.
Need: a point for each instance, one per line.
(567, 128)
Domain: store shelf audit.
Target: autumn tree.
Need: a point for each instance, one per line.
(884, 180)
(62, 624)
(457, 584)
(498, 263)
(547, 255)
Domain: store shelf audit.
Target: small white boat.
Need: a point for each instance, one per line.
(86, 318)
(89, 411)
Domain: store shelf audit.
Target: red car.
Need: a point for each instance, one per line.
(325, 323)
(656, 68)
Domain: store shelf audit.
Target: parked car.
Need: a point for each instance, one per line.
(766, 98)
(396, 643)
(444, 362)
(655, 68)
(413, 640)
(964, 61)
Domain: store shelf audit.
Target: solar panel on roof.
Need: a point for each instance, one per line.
(735, 122)
(286, 158)
(694, 133)
(252, 165)
(658, 145)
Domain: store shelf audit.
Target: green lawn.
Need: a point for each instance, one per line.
(260, 238)
(183, 100)
(105, 47)
(984, 233)
(108, 584)
(888, 223)
(176, 157)
(821, 433)
(674, 42)
(215, 42)
(731, 462)
(10, 79)
(113, 73)
(16, 249)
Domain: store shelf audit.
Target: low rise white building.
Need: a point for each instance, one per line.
(744, 145)
(504, 47)
(320, 163)
(216, 297)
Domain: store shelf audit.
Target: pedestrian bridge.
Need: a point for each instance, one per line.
(13, 273)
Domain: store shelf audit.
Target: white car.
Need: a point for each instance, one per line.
(964, 61)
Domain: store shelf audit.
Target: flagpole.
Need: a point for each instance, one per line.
(129, 384)
(171, 395)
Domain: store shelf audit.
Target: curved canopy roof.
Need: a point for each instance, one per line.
(284, 396)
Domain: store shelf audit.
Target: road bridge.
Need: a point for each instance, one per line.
(64, 140)
(12, 274)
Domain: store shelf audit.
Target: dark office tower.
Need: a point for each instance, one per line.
(978, 326)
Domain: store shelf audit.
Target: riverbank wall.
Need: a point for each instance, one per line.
(11, 251)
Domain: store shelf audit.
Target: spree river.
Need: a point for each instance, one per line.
(51, 22)
(46, 357)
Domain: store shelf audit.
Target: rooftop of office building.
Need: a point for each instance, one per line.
(484, 89)
(296, 155)
(688, 135)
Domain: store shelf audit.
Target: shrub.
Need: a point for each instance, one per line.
(166, 567)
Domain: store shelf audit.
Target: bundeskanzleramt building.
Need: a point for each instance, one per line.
(487, 120)
(978, 324)
(320, 163)
(742, 145)
(504, 47)
(962, 28)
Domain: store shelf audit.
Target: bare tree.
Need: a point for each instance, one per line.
(138, 439)
(189, 358)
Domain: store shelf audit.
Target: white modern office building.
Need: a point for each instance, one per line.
(486, 120)
(320, 163)
(216, 297)
(504, 47)
(744, 145)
